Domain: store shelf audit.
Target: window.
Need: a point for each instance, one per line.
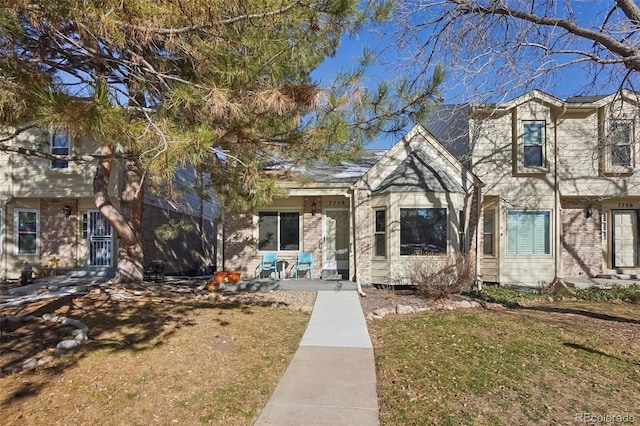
(488, 233)
(528, 232)
(27, 231)
(620, 143)
(60, 145)
(380, 233)
(278, 231)
(533, 140)
(423, 231)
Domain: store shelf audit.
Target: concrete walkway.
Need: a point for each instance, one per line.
(331, 379)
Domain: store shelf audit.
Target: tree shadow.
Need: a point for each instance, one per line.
(581, 312)
(114, 325)
(593, 351)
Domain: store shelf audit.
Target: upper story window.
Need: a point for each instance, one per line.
(423, 231)
(27, 225)
(533, 138)
(60, 145)
(621, 143)
(278, 231)
(380, 233)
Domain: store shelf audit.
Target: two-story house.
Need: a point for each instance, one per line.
(534, 189)
(561, 196)
(47, 210)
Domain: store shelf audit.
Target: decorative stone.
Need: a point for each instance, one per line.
(369, 316)
(62, 319)
(465, 304)
(423, 309)
(47, 317)
(30, 318)
(45, 359)
(66, 345)
(80, 335)
(31, 362)
(405, 309)
(494, 306)
(75, 323)
(381, 312)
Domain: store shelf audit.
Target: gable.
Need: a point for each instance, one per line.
(417, 173)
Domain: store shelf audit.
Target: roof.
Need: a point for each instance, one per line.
(584, 99)
(416, 174)
(322, 171)
(449, 123)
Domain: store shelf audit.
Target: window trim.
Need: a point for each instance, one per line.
(521, 145)
(549, 247)
(447, 241)
(611, 145)
(16, 231)
(278, 213)
(52, 137)
(492, 234)
(376, 233)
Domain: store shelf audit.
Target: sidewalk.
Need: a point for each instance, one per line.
(331, 379)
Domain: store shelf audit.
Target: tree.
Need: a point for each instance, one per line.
(220, 85)
(502, 48)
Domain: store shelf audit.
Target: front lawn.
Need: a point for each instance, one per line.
(541, 364)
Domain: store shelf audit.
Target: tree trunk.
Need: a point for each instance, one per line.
(126, 222)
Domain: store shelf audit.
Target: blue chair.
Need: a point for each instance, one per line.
(304, 263)
(269, 263)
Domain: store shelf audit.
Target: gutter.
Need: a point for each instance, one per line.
(478, 282)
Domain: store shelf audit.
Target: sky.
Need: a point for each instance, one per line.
(562, 84)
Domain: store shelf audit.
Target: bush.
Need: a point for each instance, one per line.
(438, 278)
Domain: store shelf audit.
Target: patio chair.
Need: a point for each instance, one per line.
(269, 263)
(304, 263)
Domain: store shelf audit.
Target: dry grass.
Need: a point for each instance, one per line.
(157, 360)
(536, 365)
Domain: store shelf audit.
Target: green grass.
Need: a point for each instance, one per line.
(506, 367)
(510, 296)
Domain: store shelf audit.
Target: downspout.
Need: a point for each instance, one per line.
(478, 283)
(355, 246)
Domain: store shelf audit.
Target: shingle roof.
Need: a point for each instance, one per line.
(329, 172)
(449, 123)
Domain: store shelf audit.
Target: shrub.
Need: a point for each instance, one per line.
(438, 278)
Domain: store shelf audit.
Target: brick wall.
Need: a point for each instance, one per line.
(364, 237)
(312, 231)
(581, 239)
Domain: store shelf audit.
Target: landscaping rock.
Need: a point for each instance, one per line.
(405, 309)
(66, 345)
(381, 312)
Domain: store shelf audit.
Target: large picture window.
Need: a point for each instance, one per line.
(423, 231)
(533, 140)
(27, 231)
(60, 145)
(528, 232)
(380, 233)
(278, 231)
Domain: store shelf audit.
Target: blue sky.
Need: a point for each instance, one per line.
(562, 84)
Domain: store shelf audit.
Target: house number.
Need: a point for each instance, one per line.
(336, 203)
(625, 205)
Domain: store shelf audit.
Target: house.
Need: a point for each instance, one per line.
(534, 190)
(47, 210)
(560, 197)
(363, 220)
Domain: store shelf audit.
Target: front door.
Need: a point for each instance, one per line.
(100, 235)
(335, 253)
(625, 239)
